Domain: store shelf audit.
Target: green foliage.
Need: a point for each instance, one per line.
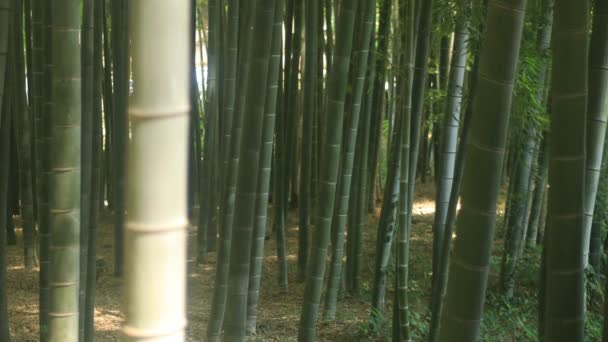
(528, 110)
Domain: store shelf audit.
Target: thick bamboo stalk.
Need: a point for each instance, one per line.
(218, 306)
(261, 206)
(64, 180)
(470, 259)
(156, 228)
(249, 169)
(565, 239)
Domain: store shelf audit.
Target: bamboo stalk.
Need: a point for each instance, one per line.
(156, 227)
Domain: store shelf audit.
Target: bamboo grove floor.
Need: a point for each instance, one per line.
(278, 314)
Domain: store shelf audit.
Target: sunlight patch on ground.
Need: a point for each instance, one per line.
(290, 257)
(426, 207)
(25, 309)
(15, 268)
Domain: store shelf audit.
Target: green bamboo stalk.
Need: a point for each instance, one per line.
(442, 275)
(449, 139)
(249, 169)
(353, 207)
(597, 114)
(386, 224)
(5, 155)
(378, 93)
(261, 206)
(212, 110)
(96, 193)
(36, 103)
(108, 108)
(194, 155)
(566, 242)
(64, 180)
(5, 165)
(524, 164)
(36, 108)
(538, 198)
(322, 53)
(403, 231)
(5, 10)
(156, 228)
(45, 217)
(86, 153)
(360, 200)
(599, 218)
(605, 329)
(470, 259)
(23, 124)
(368, 11)
(28, 43)
(284, 126)
(310, 93)
(220, 290)
(332, 140)
(422, 49)
(289, 147)
(515, 229)
(329, 28)
(120, 78)
(293, 122)
(13, 188)
(229, 77)
(193, 158)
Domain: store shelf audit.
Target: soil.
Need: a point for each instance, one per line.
(278, 314)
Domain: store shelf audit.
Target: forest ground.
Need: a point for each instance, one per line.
(278, 314)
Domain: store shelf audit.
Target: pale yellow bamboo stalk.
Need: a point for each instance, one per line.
(156, 229)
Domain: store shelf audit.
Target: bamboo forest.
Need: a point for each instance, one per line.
(303, 170)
